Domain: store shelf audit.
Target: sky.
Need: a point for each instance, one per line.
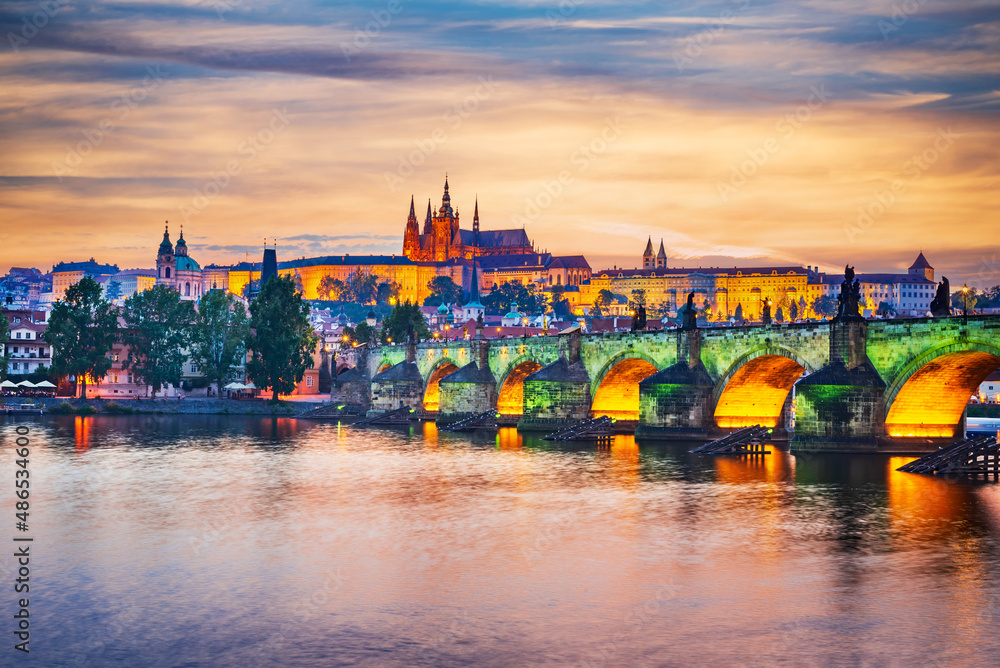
(810, 132)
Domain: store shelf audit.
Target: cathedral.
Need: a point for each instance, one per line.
(442, 238)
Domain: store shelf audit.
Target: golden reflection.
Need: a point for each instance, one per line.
(508, 438)
(756, 393)
(430, 432)
(618, 394)
(81, 429)
(432, 395)
(931, 402)
(775, 467)
(921, 503)
(511, 398)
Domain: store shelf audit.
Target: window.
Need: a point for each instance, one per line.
(187, 289)
(309, 381)
(194, 368)
(15, 348)
(167, 270)
(14, 366)
(18, 335)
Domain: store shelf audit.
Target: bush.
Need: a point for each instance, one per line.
(65, 408)
(199, 382)
(115, 407)
(86, 409)
(186, 385)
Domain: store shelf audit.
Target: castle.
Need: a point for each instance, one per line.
(443, 239)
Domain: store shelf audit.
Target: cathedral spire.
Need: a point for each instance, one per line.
(446, 199)
(475, 220)
(413, 213)
(428, 224)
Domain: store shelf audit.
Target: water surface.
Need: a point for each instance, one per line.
(228, 541)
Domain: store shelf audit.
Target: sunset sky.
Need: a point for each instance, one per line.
(812, 133)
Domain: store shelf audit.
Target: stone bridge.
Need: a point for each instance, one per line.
(857, 385)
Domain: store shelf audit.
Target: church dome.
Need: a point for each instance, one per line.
(443, 308)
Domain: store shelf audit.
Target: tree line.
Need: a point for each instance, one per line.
(159, 331)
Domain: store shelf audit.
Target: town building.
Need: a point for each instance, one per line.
(66, 274)
(25, 347)
(908, 294)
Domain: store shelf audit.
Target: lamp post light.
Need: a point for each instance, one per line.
(965, 302)
(525, 322)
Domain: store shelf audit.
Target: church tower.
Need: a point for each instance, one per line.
(921, 267)
(445, 228)
(411, 238)
(648, 259)
(475, 222)
(661, 257)
(165, 263)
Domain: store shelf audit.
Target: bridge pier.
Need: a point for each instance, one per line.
(470, 390)
(399, 385)
(676, 403)
(841, 407)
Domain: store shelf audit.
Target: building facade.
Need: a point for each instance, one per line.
(174, 268)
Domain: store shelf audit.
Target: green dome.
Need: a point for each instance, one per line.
(184, 263)
(443, 308)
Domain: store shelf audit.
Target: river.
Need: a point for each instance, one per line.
(231, 541)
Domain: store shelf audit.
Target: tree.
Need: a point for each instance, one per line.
(282, 341)
(365, 333)
(396, 326)
(113, 291)
(560, 305)
(965, 300)
(82, 328)
(738, 315)
(826, 305)
(503, 297)
(387, 291)
(639, 297)
(443, 291)
(361, 287)
(793, 311)
(219, 336)
(779, 315)
(330, 288)
(157, 332)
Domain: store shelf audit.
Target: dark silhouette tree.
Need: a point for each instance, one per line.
(158, 327)
(82, 328)
(282, 342)
(219, 336)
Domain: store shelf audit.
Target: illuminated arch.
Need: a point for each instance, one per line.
(510, 393)
(756, 386)
(616, 392)
(432, 392)
(927, 399)
(383, 365)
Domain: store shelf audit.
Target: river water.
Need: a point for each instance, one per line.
(225, 541)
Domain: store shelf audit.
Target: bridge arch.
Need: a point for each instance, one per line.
(383, 365)
(756, 386)
(432, 390)
(928, 397)
(615, 390)
(510, 389)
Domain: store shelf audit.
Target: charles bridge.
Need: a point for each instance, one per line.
(855, 385)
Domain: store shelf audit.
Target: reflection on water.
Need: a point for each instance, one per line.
(208, 540)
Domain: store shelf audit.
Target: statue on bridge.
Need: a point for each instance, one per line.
(849, 299)
(765, 311)
(941, 306)
(690, 320)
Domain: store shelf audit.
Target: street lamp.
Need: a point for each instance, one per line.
(965, 301)
(525, 321)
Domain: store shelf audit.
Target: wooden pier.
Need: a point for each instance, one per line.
(485, 420)
(399, 417)
(974, 457)
(600, 429)
(746, 441)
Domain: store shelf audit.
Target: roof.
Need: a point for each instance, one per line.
(89, 267)
(561, 371)
(496, 238)
(570, 262)
(493, 262)
(921, 262)
(704, 271)
(470, 373)
(351, 260)
(893, 278)
(401, 371)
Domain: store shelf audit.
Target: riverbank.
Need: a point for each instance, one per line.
(190, 406)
